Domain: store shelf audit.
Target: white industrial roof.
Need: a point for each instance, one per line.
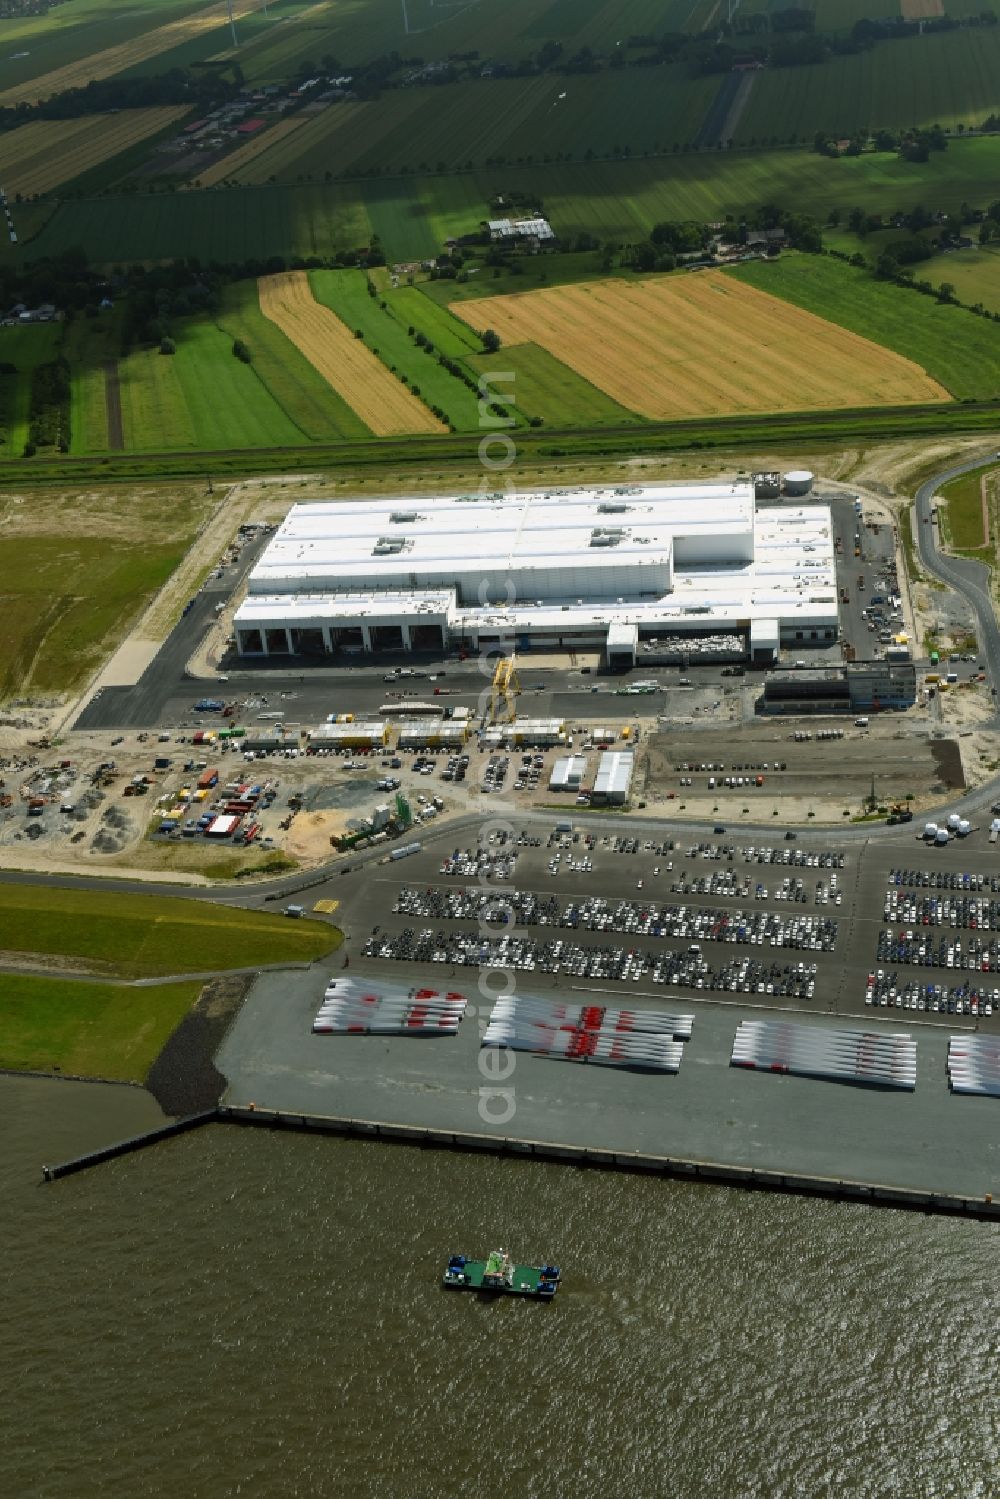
(614, 772)
(386, 540)
(791, 579)
(568, 770)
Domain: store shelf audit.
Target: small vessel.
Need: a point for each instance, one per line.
(499, 1274)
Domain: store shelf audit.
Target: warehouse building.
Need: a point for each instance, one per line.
(373, 734)
(527, 733)
(589, 567)
(614, 777)
(568, 773)
(432, 733)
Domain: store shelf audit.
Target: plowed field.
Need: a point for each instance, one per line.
(36, 158)
(346, 364)
(127, 54)
(698, 345)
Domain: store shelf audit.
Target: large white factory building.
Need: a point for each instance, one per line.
(605, 568)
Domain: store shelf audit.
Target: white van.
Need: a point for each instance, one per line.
(861, 723)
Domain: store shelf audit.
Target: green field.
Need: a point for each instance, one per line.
(217, 43)
(962, 518)
(25, 348)
(413, 216)
(78, 29)
(228, 226)
(947, 79)
(305, 398)
(955, 347)
(974, 273)
(470, 124)
(509, 29)
(203, 397)
(385, 332)
(88, 1030)
(148, 936)
(544, 387)
(64, 597)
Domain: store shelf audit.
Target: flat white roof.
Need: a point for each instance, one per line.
(792, 577)
(389, 539)
(614, 772)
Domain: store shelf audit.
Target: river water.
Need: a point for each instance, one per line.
(236, 1313)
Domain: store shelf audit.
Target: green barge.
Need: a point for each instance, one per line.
(498, 1274)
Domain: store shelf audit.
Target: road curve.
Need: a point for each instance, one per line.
(970, 579)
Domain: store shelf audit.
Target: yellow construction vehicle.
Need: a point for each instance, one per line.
(504, 690)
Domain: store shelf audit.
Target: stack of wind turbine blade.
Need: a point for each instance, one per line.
(974, 1065)
(647, 1049)
(884, 1060)
(352, 1008)
(609, 1037)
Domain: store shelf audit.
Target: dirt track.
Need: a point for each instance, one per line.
(113, 403)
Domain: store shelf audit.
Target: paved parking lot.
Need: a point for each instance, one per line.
(709, 1111)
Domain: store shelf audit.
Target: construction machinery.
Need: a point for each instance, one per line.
(504, 690)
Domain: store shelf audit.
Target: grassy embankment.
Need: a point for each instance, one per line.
(961, 517)
(145, 936)
(116, 1030)
(967, 525)
(88, 1030)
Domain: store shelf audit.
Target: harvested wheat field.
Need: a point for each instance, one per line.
(703, 345)
(231, 164)
(353, 371)
(38, 157)
(127, 54)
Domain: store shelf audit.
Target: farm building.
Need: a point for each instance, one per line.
(587, 567)
(508, 230)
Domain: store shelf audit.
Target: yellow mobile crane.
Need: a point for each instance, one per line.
(505, 689)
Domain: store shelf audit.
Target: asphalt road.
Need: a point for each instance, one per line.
(971, 579)
(165, 679)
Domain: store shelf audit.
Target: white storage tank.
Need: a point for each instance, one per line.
(799, 481)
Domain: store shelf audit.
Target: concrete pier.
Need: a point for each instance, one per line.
(708, 1172)
(126, 1147)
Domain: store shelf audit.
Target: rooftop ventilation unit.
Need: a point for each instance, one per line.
(611, 507)
(400, 517)
(387, 545)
